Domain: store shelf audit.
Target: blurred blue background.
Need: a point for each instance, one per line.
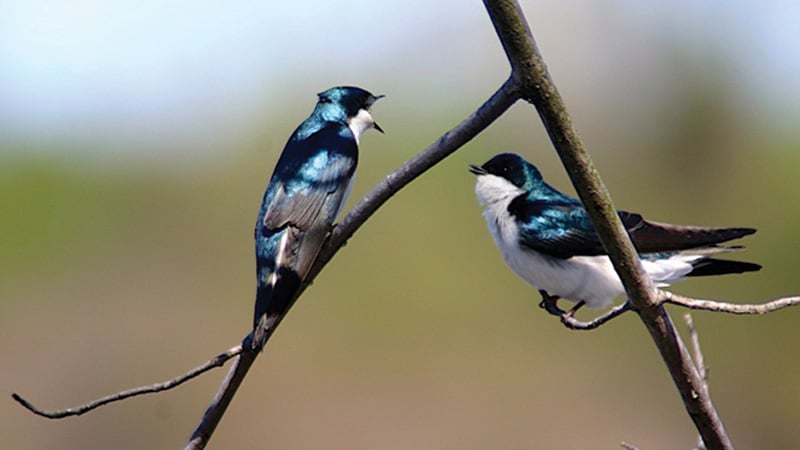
(136, 139)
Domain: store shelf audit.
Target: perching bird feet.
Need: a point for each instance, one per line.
(550, 304)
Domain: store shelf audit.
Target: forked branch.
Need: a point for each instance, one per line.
(448, 143)
(531, 81)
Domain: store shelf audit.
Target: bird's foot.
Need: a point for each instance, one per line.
(571, 313)
(550, 304)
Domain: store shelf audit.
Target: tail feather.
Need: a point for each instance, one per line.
(273, 299)
(713, 266)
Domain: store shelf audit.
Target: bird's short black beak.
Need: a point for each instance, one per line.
(374, 99)
(477, 170)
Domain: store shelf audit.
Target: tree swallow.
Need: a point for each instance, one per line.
(547, 238)
(309, 186)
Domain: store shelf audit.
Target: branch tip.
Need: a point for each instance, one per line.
(727, 307)
(217, 361)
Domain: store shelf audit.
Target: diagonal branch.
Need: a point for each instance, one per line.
(529, 80)
(448, 143)
(529, 70)
(224, 395)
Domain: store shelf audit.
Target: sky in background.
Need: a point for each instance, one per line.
(144, 70)
(136, 138)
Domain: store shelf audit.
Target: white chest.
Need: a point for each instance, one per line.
(588, 278)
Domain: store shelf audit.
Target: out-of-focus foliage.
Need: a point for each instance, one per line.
(117, 272)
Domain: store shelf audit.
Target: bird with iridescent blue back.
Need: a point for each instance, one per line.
(547, 238)
(309, 186)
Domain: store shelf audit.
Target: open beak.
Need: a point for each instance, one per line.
(477, 170)
(375, 98)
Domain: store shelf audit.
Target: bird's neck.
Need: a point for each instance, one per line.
(310, 126)
(360, 123)
(493, 190)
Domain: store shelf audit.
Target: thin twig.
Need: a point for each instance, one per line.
(732, 308)
(217, 361)
(699, 364)
(572, 323)
(687, 302)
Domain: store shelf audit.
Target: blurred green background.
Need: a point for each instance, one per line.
(137, 138)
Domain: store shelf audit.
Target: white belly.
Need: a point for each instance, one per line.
(591, 279)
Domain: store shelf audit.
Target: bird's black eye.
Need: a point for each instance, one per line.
(496, 168)
(324, 99)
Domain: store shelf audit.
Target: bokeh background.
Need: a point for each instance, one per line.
(136, 139)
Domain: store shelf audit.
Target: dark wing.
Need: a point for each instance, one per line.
(559, 228)
(563, 229)
(309, 191)
(305, 203)
(651, 237)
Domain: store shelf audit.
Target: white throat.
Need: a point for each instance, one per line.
(360, 123)
(492, 189)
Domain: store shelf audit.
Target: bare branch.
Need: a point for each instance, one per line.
(699, 364)
(675, 299)
(219, 404)
(574, 324)
(530, 80)
(448, 143)
(569, 321)
(217, 361)
(536, 86)
(732, 308)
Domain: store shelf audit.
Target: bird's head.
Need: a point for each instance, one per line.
(512, 168)
(348, 104)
